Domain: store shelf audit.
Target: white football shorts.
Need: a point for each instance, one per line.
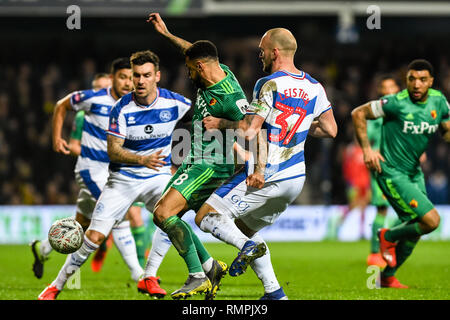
(91, 183)
(257, 208)
(119, 194)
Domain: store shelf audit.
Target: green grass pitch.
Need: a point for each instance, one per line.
(306, 270)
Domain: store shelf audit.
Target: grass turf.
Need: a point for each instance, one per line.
(306, 270)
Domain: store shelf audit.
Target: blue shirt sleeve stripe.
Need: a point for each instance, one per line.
(93, 154)
(94, 131)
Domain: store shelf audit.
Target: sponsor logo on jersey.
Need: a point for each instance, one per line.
(409, 116)
(423, 127)
(148, 129)
(131, 120)
(201, 105)
(413, 203)
(212, 102)
(165, 116)
(433, 114)
(145, 137)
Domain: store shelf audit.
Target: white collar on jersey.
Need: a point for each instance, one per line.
(149, 105)
(293, 75)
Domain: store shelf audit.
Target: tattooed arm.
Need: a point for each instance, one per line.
(247, 127)
(257, 180)
(161, 28)
(117, 153)
(359, 117)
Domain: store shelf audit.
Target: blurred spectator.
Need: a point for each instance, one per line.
(437, 187)
(31, 84)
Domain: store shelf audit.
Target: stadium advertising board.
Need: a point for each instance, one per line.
(22, 224)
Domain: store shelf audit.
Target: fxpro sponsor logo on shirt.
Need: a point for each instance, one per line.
(423, 127)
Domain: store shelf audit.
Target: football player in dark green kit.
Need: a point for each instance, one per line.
(387, 85)
(208, 164)
(410, 118)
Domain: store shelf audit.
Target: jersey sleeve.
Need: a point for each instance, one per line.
(384, 107)
(322, 103)
(80, 100)
(263, 97)
(235, 107)
(183, 107)
(117, 123)
(77, 126)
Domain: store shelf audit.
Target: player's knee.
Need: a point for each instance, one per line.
(95, 236)
(160, 214)
(198, 220)
(202, 212)
(433, 224)
(83, 221)
(431, 221)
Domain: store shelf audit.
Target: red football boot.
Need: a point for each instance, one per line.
(150, 286)
(375, 259)
(387, 249)
(392, 282)
(49, 293)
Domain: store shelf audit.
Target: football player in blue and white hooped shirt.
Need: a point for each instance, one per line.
(91, 170)
(289, 104)
(86, 201)
(141, 124)
(92, 165)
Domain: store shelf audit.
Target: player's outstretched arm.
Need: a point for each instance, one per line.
(118, 154)
(59, 114)
(359, 117)
(161, 28)
(325, 126)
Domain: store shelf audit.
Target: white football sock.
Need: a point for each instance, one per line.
(124, 241)
(223, 228)
(45, 248)
(207, 265)
(73, 262)
(264, 269)
(160, 245)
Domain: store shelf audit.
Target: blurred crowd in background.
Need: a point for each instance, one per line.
(42, 65)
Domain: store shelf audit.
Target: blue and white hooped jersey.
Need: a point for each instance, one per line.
(288, 103)
(97, 106)
(146, 129)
